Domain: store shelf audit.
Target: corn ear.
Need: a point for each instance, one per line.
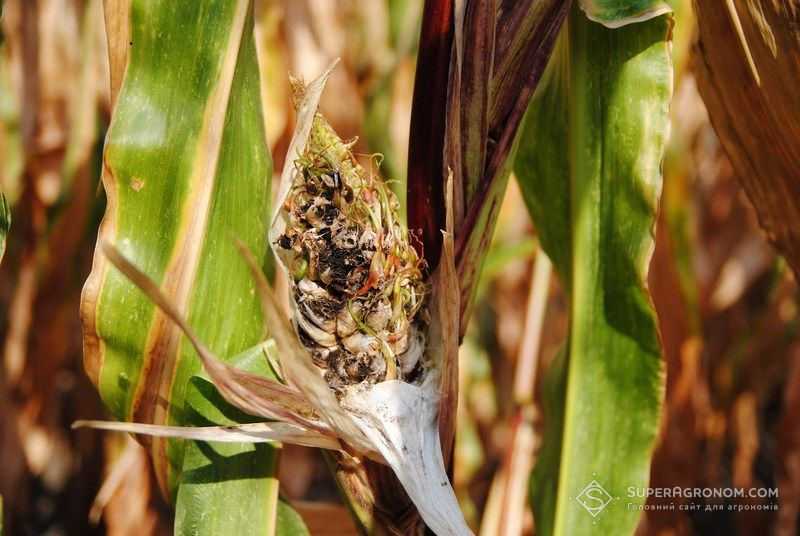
(398, 417)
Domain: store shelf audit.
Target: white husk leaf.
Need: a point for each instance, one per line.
(400, 419)
(240, 433)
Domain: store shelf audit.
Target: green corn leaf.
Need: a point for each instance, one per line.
(186, 169)
(589, 167)
(218, 475)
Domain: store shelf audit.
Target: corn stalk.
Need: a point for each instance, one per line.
(479, 119)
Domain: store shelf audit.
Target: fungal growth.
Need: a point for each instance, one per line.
(357, 282)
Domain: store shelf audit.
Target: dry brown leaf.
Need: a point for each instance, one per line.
(747, 66)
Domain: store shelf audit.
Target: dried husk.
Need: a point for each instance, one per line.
(242, 433)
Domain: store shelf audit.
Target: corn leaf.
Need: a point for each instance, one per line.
(747, 65)
(589, 167)
(186, 169)
(216, 476)
(489, 57)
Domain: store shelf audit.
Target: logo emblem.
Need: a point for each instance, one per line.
(594, 498)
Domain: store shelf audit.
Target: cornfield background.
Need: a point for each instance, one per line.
(727, 303)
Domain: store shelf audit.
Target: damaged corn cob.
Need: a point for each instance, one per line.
(356, 281)
(359, 308)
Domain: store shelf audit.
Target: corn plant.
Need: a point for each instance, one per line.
(365, 364)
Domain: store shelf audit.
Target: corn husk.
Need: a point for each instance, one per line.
(400, 419)
(242, 433)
